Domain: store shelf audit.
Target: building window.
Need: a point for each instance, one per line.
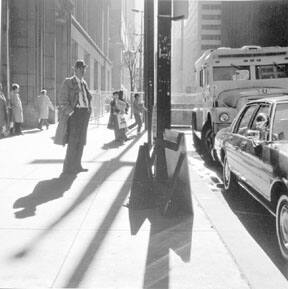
(211, 37)
(96, 74)
(210, 27)
(74, 51)
(211, 6)
(206, 47)
(87, 72)
(103, 78)
(211, 17)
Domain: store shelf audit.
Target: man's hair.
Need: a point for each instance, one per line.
(15, 86)
(136, 95)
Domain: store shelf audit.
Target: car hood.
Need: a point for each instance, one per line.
(236, 98)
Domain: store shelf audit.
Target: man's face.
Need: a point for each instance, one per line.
(79, 71)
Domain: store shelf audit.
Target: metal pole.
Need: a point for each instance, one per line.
(149, 51)
(141, 53)
(163, 84)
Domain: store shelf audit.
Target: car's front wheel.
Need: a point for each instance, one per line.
(229, 179)
(282, 225)
(207, 141)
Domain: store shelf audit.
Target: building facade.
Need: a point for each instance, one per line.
(125, 36)
(41, 39)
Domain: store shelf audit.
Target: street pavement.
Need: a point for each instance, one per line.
(78, 233)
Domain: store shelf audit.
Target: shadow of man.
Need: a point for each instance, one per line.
(43, 192)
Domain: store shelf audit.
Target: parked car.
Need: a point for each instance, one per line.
(254, 155)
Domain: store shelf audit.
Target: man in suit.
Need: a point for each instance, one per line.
(75, 105)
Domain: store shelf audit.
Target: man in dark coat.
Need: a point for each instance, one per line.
(75, 106)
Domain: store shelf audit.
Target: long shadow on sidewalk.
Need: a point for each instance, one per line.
(166, 234)
(43, 192)
(106, 169)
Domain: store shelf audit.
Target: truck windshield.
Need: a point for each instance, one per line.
(272, 71)
(224, 73)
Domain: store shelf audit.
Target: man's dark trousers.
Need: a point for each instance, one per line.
(77, 133)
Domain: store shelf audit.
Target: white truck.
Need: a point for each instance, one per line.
(229, 77)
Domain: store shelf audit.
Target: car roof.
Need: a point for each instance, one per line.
(274, 99)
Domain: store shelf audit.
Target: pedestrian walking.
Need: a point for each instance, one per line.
(44, 104)
(113, 117)
(123, 107)
(3, 113)
(75, 110)
(17, 109)
(138, 110)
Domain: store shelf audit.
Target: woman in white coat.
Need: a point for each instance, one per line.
(44, 104)
(17, 110)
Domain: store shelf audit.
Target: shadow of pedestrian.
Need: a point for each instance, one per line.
(112, 145)
(43, 192)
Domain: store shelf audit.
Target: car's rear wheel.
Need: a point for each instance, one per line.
(282, 225)
(229, 179)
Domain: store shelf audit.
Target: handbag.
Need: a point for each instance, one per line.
(121, 121)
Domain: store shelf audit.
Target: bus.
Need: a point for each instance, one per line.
(227, 78)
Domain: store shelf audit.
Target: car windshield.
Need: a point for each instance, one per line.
(233, 72)
(280, 124)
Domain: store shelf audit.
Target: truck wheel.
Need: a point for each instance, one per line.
(282, 225)
(229, 179)
(196, 142)
(207, 139)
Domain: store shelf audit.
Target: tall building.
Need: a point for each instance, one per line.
(123, 24)
(40, 40)
(213, 24)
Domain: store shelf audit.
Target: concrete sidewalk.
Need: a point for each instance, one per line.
(76, 233)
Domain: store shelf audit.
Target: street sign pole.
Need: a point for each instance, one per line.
(163, 84)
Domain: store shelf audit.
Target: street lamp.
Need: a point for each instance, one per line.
(141, 46)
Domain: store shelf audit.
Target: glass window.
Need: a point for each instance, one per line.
(211, 16)
(201, 77)
(261, 122)
(211, 37)
(210, 27)
(224, 73)
(271, 71)
(210, 46)
(211, 6)
(245, 118)
(280, 123)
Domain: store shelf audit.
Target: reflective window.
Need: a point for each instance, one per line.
(280, 123)
(242, 126)
(224, 73)
(271, 71)
(264, 109)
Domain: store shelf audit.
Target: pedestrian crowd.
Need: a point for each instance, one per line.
(73, 116)
(117, 120)
(11, 111)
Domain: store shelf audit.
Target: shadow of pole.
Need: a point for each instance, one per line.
(81, 268)
(110, 166)
(165, 234)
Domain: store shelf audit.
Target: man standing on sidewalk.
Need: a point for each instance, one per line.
(75, 105)
(138, 109)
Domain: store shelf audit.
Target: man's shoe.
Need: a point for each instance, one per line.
(68, 174)
(80, 170)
